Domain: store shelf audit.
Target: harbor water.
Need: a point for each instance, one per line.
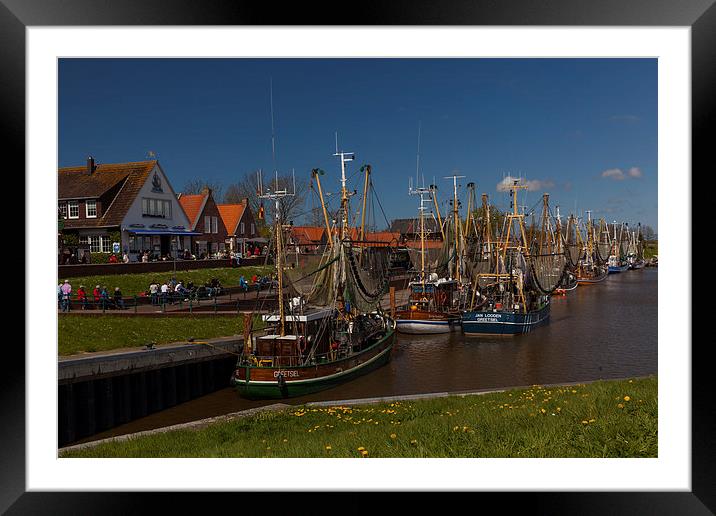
(602, 331)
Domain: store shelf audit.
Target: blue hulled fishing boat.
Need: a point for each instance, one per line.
(515, 276)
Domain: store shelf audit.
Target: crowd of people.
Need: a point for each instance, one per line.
(168, 292)
(67, 257)
(99, 297)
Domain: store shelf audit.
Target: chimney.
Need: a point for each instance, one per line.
(245, 201)
(90, 166)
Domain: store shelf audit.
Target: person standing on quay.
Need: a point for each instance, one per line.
(82, 297)
(165, 291)
(154, 292)
(66, 291)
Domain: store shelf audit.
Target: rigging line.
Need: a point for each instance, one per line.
(273, 133)
(379, 204)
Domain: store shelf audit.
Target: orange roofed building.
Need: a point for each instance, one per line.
(242, 235)
(205, 220)
(309, 237)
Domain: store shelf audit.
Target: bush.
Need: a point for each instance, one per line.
(101, 257)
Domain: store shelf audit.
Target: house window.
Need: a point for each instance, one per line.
(74, 209)
(253, 228)
(242, 228)
(83, 239)
(156, 208)
(106, 244)
(207, 224)
(91, 209)
(214, 224)
(94, 243)
(63, 210)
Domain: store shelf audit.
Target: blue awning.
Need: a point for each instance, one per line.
(173, 232)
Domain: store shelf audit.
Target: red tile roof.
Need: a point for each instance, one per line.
(76, 183)
(307, 235)
(192, 205)
(231, 215)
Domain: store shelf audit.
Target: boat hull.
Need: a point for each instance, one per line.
(426, 327)
(613, 269)
(503, 323)
(426, 322)
(591, 281)
(636, 265)
(254, 382)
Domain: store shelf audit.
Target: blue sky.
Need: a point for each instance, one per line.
(583, 130)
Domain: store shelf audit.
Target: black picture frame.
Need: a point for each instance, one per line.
(700, 15)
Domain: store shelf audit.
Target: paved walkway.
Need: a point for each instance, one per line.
(261, 302)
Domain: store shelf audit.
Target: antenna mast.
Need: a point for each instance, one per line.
(276, 196)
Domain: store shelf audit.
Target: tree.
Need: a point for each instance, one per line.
(648, 232)
(197, 186)
(497, 219)
(247, 188)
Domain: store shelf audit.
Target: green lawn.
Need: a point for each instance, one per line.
(85, 333)
(601, 419)
(132, 284)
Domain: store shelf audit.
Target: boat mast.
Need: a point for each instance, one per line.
(422, 191)
(345, 158)
(433, 192)
(362, 220)
(276, 196)
(456, 224)
(315, 173)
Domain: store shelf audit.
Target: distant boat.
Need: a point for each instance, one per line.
(514, 282)
(434, 302)
(617, 259)
(635, 257)
(591, 267)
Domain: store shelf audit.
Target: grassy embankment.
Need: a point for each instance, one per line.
(132, 284)
(603, 419)
(78, 333)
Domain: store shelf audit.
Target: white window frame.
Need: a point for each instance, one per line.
(92, 203)
(63, 210)
(70, 206)
(207, 224)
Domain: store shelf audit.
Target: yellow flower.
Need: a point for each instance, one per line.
(328, 447)
(620, 405)
(364, 453)
(360, 448)
(585, 422)
(592, 420)
(559, 409)
(393, 436)
(414, 442)
(542, 410)
(626, 398)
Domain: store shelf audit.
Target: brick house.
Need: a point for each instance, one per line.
(205, 220)
(241, 231)
(129, 205)
(309, 238)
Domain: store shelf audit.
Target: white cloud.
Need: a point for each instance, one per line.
(618, 174)
(532, 185)
(614, 173)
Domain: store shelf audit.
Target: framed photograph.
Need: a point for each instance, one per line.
(572, 72)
